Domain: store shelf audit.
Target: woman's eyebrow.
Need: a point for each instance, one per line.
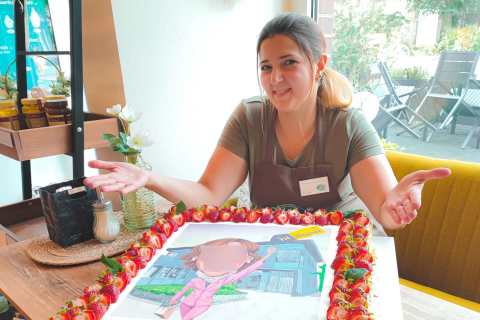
(279, 58)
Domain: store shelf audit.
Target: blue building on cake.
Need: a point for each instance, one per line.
(291, 270)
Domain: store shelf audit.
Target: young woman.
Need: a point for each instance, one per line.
(301, 133)
(209, 282)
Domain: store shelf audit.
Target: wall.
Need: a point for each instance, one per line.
(186, 65)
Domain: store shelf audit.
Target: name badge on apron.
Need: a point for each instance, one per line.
(314, 186)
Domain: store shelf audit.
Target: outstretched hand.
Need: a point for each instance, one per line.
(404, 200)
(124, 177)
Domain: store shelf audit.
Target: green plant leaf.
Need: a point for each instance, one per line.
(115, 142)
(112, 265)
(108, 136)
(124, 137)
(348, 214)
(355, 274)
(181, 207)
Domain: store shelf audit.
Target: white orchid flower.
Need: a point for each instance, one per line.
(130, 115)
(141, 140)
(115, 110)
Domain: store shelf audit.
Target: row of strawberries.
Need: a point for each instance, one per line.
(98, 297)
(352, 270)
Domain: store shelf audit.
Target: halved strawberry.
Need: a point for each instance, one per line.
(293, 212)
(146, 252)
(167, 229)
(130, 266)
(339, 259)
(266, 210)
(112, 291)
(173, 208)
(335, 294)
(226, 215)
(141, 261)
(343, 266)
(135, 245)
(358, 300)
(96, 287)
(83, 315)
(98, 309)
(79, 302)
(199, 216)
(61, 316)
(253, 216)
(342, 281)
(341, 288)
(321, 220)
(208, 208)
(360, 243)
(345, 248)
(103, 298)
(125, 274)
(187, 215)
(362, 220)
(361, 264)
(359, 229)
(282, 218)
(337, 312)
(362, 283)
(320, 212)
(179, 219)
(307, 219)
(107, 278)
(121, 282)
(342, 233)
(346, 225)
(359, 313)
(363, 254)
(156, 240)
(335, 218)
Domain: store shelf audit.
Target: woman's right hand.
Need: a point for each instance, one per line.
(124, 178)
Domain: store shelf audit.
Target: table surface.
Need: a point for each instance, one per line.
(39, 291)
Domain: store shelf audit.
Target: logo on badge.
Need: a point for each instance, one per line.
(321, 187)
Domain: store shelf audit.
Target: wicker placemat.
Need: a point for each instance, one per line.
(44, 250)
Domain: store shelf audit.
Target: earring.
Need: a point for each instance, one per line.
(193, 259)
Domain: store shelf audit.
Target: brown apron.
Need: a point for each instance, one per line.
(275, 184)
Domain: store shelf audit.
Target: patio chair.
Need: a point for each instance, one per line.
(391, 106)
(472, 98)
(451, 82)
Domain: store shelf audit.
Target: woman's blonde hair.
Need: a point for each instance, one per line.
(334, 90)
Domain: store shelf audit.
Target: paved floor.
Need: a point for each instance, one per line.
(442, 145)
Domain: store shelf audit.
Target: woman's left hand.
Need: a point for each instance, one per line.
(271, 250)
(403, 201)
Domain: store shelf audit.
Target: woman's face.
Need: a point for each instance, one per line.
(286, 74)
(200, 263)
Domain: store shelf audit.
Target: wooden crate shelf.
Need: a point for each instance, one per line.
(36, 143)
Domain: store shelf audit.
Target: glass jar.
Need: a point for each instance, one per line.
(9, 115)
(35, 113)
(105, 226)
(139, 207)
(58, 112)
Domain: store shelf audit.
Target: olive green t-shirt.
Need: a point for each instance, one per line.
(349, 138)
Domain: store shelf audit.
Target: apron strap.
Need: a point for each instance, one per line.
(319, 157)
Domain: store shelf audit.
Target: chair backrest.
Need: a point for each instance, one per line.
(454, 71)
(378, 84)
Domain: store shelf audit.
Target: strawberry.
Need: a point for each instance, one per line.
(79, 302)
(337, 312)
(342, 233)
(335, 217)
(214, 216)
(98, 309)
(61, 316)
(156, 240)
(282, 218)
(321, 220)
(126, 275)
(296, 220)
(278, 211)
(167, 215)
(149, 233)
(173, 208)
(113, 291)
(360, 243)
(135, 245)
(359, 229)
(345, 237)
(199, 216)
(359, 313)
(83, 315)
(72, 311)
(362, 283)
(103, 298)
(346, 225)
(293, 213)
(345, 248)
(133, 253)
(208, 209)
(120, 282)
(175, 225)
(342, 281)
(358, 291)
(90, 294)
(363, 254)
(358, 300)
(308, 219)
(225, 210)
(267, 218)
(142, 262)
(362, 220)
(320, 212)
(343, 265)
(341, 288)
(345, 242)
(130, 266)
(338, 259)
(187, 215)
(226, 215)
(96, 287)
(239, 217)
(163, 237)
(266, 211)
(253, 216)
(361, 264)
(167, 229)
(108, 278)
(238, 210)
(337, 295)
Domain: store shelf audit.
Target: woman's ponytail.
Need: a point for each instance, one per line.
(335, 91)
